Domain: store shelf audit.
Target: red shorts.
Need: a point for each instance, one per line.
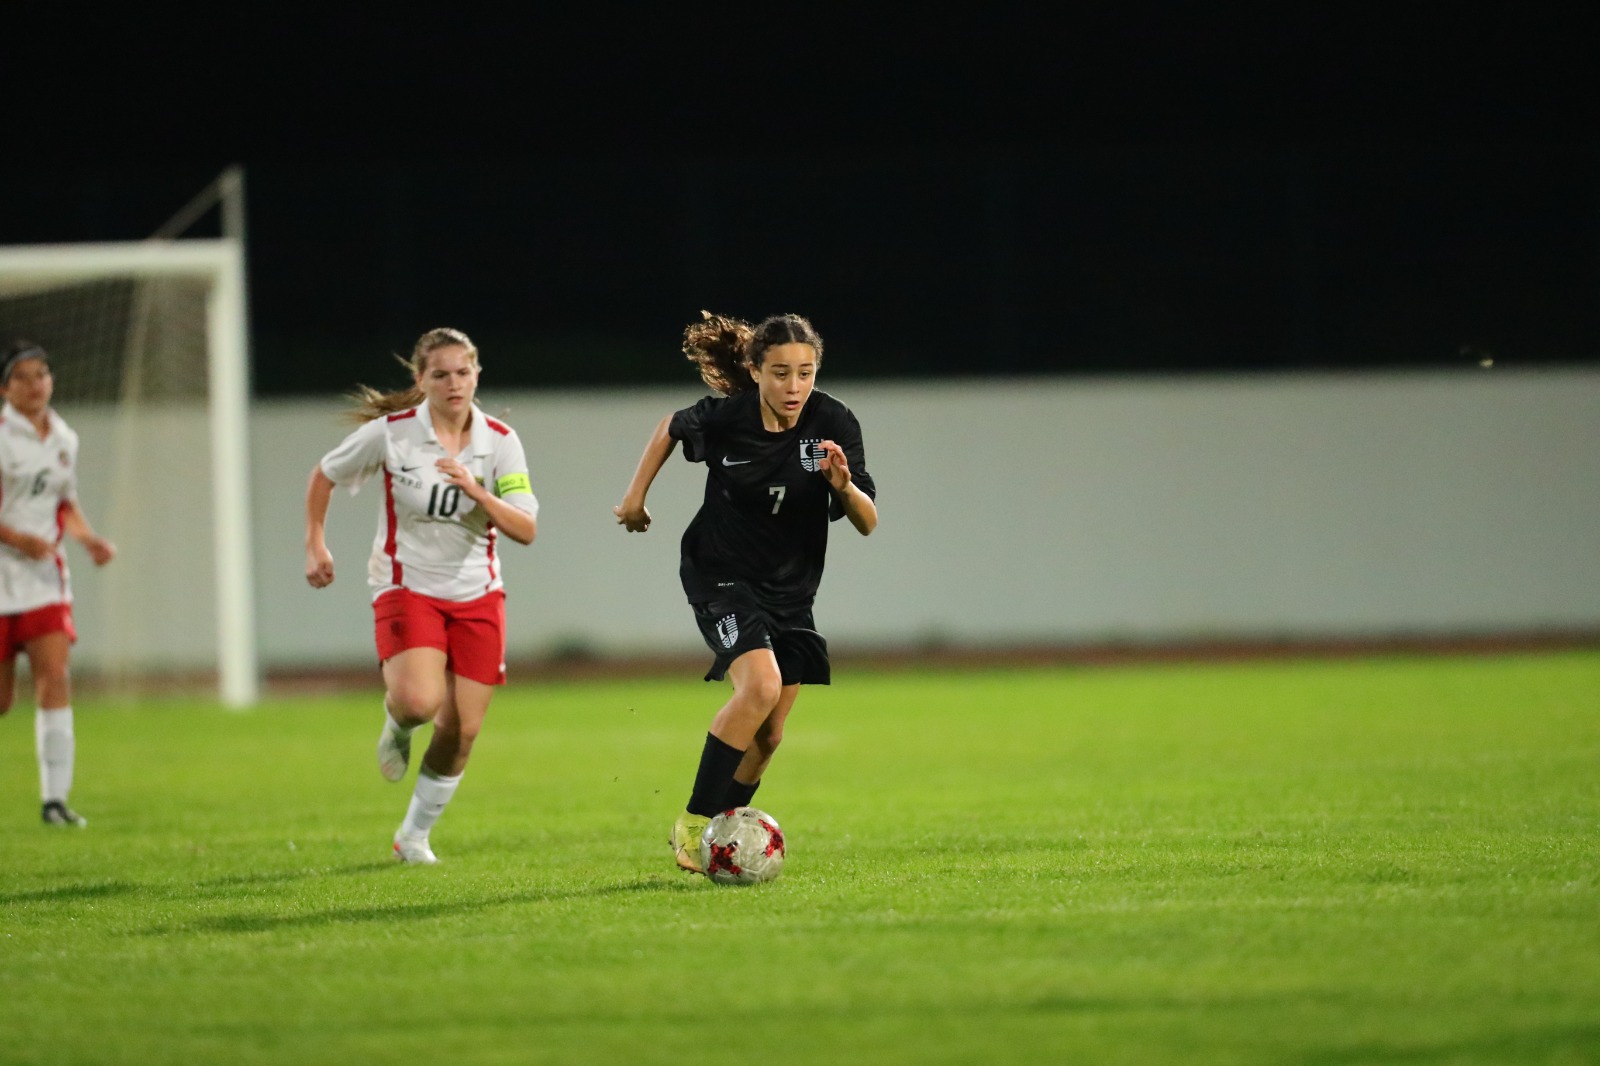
(472, 634)
(17, 629)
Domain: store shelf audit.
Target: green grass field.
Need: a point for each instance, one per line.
(1383, 860)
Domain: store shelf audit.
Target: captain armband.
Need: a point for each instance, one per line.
(505, 486)
(516, 490)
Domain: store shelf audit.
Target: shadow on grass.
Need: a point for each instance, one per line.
(1528, 1045)
(107, 889)
(280, 876)
(63, 893)
(400, 912)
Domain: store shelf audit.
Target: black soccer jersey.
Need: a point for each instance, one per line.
(764, 520)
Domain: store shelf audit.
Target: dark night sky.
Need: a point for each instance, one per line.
(1176, 188)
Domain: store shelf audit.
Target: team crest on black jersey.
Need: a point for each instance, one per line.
(811, 455)
(728, 631)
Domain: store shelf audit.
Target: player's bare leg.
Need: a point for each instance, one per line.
(457, 725)
(455, 729)
(747, 778)
(757, 690)
(8, 684)
(56, 744)
(415, 690)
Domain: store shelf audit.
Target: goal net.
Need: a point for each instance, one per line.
(147, 343)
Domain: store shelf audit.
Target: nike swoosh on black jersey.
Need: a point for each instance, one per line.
(735, 462)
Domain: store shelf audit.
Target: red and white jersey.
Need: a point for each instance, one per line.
(432, 538)
(38, 477)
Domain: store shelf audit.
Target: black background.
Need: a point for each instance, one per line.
(1174, 188)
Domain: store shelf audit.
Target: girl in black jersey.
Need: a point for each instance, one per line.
(782, 461)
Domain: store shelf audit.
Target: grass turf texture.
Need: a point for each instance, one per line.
(1317, 862)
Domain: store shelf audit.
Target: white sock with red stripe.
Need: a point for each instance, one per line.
(428, 801)
(55, 745)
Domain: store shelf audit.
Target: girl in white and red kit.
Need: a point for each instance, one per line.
(38, 508)
(453, 480)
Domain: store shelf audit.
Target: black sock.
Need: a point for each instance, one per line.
(739, 794)
(718, 761)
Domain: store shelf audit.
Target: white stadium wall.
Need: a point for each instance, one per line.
(1139, 510)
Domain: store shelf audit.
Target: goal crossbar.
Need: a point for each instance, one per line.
(220, 263)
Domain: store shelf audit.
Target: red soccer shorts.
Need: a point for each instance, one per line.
(472, 634)
(17, 629)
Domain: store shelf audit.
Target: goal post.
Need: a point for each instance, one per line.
(216, 267)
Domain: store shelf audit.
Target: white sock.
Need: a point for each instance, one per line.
(428, 801)
(394, 728)
(55, 746)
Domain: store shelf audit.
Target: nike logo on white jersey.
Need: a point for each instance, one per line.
(735, 462)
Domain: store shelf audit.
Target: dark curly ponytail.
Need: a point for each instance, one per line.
(725, 349)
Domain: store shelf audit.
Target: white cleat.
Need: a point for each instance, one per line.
(394, 753)
(409, 849)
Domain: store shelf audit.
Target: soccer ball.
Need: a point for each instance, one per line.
(742, 846)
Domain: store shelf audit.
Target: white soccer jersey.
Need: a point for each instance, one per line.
(432, 538)
(37, 479)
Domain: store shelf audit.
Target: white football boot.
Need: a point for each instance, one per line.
(410, 849)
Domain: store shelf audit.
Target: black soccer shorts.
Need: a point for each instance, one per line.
(736, 624)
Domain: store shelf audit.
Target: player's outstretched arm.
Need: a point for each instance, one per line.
(858, 506)
(631, 512)
(76, 525)
(319, 561)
